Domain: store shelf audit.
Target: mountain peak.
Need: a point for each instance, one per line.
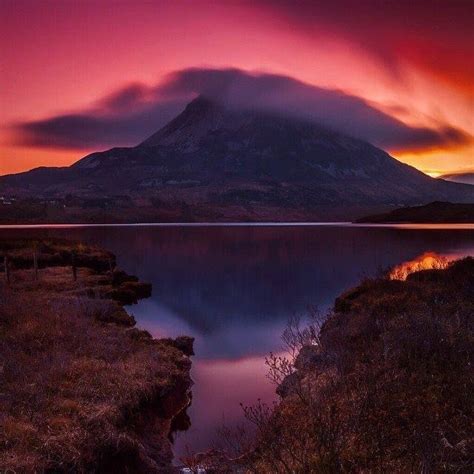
(202, 103)
(198, 118)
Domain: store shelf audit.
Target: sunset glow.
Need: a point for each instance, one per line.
(427, 261)
(411, 61)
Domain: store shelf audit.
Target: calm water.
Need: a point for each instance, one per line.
(234, 287)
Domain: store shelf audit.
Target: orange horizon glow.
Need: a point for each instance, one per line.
(70, 55)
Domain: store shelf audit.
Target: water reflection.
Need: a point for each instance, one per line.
(221, 386)
(234, 288)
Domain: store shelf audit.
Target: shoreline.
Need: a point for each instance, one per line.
(397, 225)
(128, 393)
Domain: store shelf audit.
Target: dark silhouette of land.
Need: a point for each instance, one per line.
(435, 212)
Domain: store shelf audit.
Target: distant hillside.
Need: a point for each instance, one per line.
(466, 178)
(213, 163)
(435, 212)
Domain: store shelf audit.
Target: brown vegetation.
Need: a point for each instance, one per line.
(81, 390)
(385, 386)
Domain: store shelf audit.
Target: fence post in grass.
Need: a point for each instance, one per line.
(74, 268)
(7, 268)
(35, 261)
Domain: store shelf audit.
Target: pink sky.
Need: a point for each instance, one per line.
(411, 60)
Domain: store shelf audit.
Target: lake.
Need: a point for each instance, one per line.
(234, 287)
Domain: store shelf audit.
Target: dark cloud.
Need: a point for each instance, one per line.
(114, 125)
(127, 97)
(332, 108)
(134, 112)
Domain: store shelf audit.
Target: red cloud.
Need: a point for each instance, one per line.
(436, 36)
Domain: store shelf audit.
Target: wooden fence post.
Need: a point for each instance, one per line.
(74, 268)
(6, 264)
(35, 262)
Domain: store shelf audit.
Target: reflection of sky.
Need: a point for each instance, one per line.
(221, 385)
(234, 288)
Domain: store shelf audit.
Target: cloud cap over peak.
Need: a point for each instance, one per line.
(133, 112)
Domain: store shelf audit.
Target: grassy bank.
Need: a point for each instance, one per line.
(385, 385)
(82, 389)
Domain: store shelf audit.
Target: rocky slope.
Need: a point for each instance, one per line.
(215, 163)
(82, 389)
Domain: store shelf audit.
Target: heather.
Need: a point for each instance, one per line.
(82, 390)
(384, 385)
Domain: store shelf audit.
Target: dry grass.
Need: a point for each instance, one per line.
(386, 385)
(78, 393)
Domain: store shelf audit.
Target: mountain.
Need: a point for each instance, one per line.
(214, 163)
(466, 178)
